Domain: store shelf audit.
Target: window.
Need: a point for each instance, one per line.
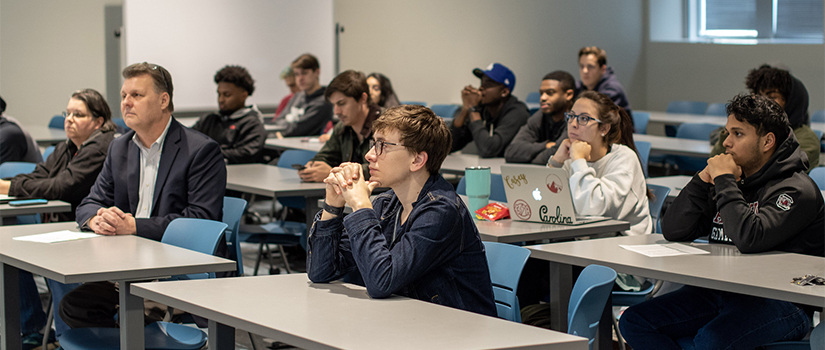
(780, 20)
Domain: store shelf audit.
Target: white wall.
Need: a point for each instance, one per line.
(48, 49)
(428, 48)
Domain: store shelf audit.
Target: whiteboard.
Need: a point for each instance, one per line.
(193, 39)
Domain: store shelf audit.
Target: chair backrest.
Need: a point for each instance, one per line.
(289, 157)
(200, 235)
(47, 152)
(414, 103)
(818, 134)
(445, 111)
(717, 109)
(588, 299)
(121, 125)
(506, 262)
(688, 107)
(534, 110)
(643, 147)
(57, 122)
(656, 203)
(533, 97)
(640, 120)
(818, 174)
(695, 131)
(818, 116)
(233, 209)
(496, 188)
(9, 169)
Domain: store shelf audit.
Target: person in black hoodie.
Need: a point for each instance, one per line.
(490, 116)
(238, 128)
(786, 90)
(596, 75)
(758, 197)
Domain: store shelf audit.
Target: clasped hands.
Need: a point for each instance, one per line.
(572, 150)
(345, 184)
(720, 165)
(112, 221)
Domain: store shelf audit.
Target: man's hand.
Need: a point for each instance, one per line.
(704, 176)
(4, 186)
(723, 164)
(354, 189)
(113, 221)
(580, 150)
(563, 152)
(470, 96)
(315, 171)
(549, 145)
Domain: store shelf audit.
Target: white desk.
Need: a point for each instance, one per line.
(304, 143)
(341, 316)
(659, 117)
(456, 162)
(44, 135)
(766, 275)
(675, 146)
(105, 258)
(53, 206)
(511, 231)
(272, 181)
(676, 183)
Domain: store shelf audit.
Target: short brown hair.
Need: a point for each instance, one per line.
(421, 131)
(306, 61)
(350, 83)
(161, 77)
(601, 55)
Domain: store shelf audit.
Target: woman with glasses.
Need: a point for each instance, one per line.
(70, 171)
(606, 177)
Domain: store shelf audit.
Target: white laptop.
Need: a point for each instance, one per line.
(540, 194)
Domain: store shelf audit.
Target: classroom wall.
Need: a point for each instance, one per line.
(428, 48)
(48, 49)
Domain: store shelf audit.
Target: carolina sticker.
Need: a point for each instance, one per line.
(784, 202)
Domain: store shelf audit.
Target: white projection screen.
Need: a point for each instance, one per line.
(193, 39)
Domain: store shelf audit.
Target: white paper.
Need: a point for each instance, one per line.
(58, 236)
(658, 250)
(5, 197)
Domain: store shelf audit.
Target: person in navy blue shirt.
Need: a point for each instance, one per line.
(417, 239)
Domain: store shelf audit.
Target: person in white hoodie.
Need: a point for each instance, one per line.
(606, 177)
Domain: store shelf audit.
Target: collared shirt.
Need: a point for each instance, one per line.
(149, 163)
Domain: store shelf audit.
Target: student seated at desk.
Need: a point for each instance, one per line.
(308, 112)
(606, 177)
(758, 197)
(418, 239)
(16, 145)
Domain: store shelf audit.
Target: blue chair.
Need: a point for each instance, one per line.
(233, 210)
(414, 103)
(717, 109)
(533, 97)
(686, 107)
(534, 110)
(818, 174)
(121, 125)
(506, 261)
(640, 121)
(818, 116)
(818, 134)
(11, 169)
(655, 205)
(694, 131)
(195, 234)
(280, 232)
(57, 122)
(588, 300)
(47, 152)
(496, 188)
(445, 111)
(643, 147)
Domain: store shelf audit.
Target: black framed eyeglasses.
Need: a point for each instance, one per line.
(581, 119)
(380, 144)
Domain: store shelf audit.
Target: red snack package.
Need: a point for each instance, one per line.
(493, 212)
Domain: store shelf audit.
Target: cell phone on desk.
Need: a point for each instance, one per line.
(298, 167)
(25, 202)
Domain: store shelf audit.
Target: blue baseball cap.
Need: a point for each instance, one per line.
(498, 73)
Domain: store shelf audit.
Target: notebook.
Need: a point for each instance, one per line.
(539, 194)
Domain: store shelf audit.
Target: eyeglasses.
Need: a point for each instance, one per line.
(380, 144)
(581, 119)
(67, 114)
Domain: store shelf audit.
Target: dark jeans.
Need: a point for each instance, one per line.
(713, 319)
(32, 317)
(96, 304)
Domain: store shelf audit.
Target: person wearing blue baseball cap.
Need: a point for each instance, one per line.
(490, 115)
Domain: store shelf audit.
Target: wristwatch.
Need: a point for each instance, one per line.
(337, 211)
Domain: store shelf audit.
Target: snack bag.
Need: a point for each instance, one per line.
(493, 212)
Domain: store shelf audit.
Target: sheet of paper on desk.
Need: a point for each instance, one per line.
(669, 249)
(57, 236)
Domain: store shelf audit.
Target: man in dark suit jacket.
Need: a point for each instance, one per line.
(156, 173)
